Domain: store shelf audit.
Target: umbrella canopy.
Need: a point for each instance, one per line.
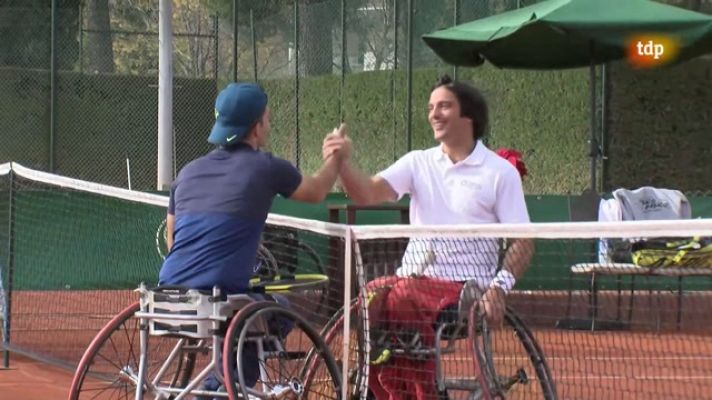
(558, 34)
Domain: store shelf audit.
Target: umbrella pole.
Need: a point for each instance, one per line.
(593, 143)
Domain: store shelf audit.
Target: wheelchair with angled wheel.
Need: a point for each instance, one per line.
(165, 345)
(471, 359)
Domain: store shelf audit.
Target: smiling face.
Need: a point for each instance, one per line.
(445, 118)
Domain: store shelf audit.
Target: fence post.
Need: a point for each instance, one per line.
(343, 60)
(254, 44)
(81, 38)
(10, 269)
(409, 77)
(456, 20)
(216, 32)
(165, 164)
(52, 85)
(235, 42)
(605, 82)
(296, 83)
(393, 78)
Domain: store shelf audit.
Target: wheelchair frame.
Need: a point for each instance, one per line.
(193, 319)
(448, 333)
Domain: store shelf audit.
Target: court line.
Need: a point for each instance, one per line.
(614, 377)
(631, 358)
(579, 358)
(634, 378)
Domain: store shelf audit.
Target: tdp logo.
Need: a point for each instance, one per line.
(650, 49)
(647, 51)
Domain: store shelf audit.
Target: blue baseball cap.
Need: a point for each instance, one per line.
(237, 108)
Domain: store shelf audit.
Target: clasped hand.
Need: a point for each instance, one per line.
(337, 144)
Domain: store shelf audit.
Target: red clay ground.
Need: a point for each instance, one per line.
(28, 379)
(665, 363)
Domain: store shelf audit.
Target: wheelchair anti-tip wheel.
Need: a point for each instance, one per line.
(265, 350)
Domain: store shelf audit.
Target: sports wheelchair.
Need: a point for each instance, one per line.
(165, 346)
(504, 362)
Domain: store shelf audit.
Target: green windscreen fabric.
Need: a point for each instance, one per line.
(64, 239)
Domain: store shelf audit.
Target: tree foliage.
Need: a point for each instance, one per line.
(25, 29)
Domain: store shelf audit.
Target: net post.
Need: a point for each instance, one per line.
(348, 247)
(10, 267)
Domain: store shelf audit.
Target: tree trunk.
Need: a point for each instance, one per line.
(99, 50)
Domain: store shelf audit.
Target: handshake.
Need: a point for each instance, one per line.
(337, 144)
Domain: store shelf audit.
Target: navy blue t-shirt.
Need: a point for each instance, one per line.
(220, 202)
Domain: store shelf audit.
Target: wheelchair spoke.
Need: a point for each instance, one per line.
(283, 343)
(109, 368)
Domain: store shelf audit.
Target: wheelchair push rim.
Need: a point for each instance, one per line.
(254, 325)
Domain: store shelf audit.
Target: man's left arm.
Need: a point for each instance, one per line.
(518, 256)
(510, 208)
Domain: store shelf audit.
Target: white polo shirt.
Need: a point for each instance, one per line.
(481, 189)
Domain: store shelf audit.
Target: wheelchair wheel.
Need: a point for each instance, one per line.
(109, 367)
(266, 347)
(333, 334)
(510, 363)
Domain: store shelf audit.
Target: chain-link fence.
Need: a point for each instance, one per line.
(79, 96)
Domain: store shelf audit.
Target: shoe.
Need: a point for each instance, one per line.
(210, 384)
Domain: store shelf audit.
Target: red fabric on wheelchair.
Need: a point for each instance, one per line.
(407, 304)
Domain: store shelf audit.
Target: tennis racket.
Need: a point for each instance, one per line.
(161, 240)
(266, 264)
(268, 275)
(289, 283)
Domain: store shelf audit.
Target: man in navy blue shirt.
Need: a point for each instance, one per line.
(219, 202)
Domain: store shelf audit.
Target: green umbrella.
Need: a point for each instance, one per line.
(557, 34)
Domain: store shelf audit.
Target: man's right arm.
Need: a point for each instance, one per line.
(314, 188)
(363, 189)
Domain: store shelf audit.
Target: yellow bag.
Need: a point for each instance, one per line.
(686, 253)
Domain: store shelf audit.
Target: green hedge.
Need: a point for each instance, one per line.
(658, 122)
(660, 127)
(543, 114)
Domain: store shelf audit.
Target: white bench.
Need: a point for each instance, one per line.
(593, 270)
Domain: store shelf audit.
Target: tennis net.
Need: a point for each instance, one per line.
(73, 252)
(583, 324)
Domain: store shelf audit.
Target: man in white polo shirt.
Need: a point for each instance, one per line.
(460, 181)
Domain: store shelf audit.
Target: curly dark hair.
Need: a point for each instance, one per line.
(472, 103)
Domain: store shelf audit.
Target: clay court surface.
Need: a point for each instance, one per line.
(667, 364)
(28, 379)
